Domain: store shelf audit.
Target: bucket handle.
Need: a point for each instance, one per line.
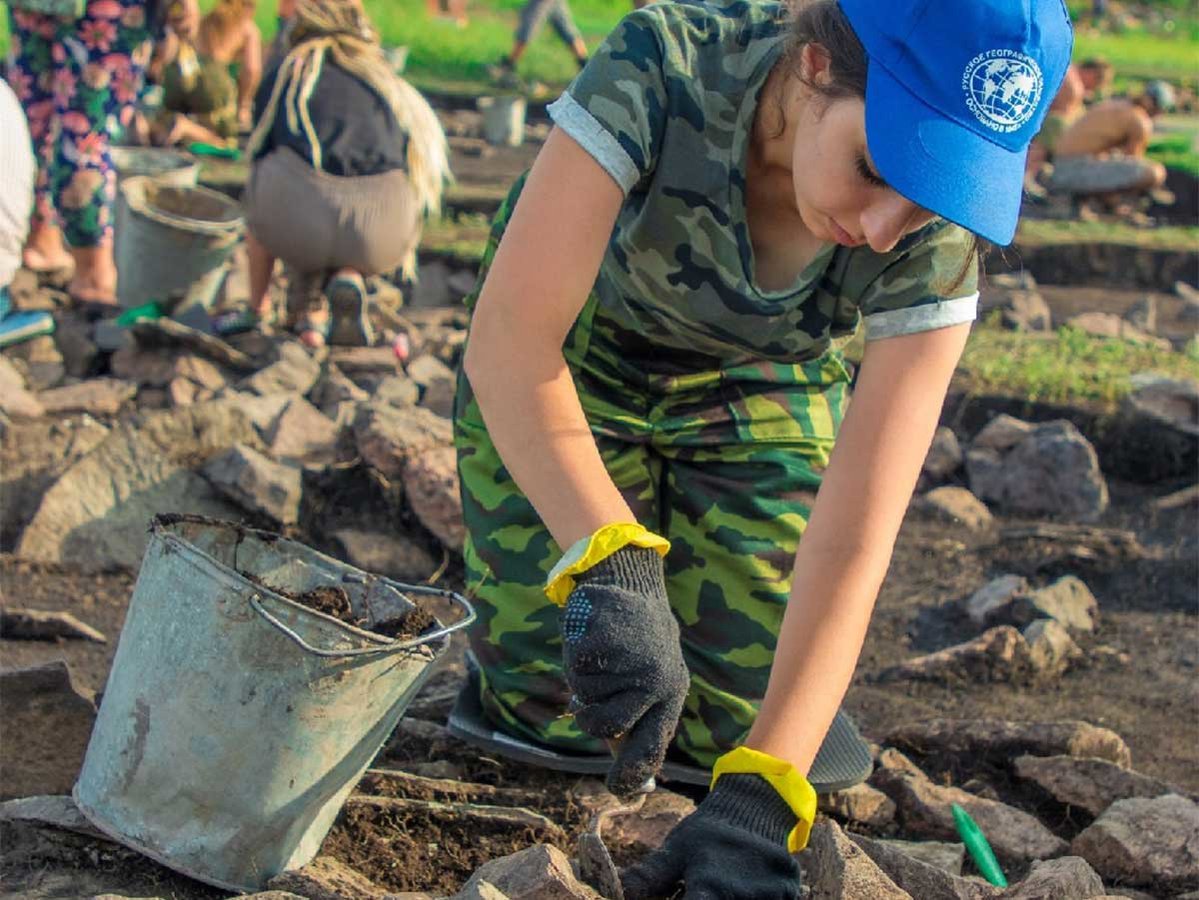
(393, 647)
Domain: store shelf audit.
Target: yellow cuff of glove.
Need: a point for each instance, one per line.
(784, 778)
(588, 551)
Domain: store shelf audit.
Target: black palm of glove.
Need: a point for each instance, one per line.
(733, 847)
(623, 662)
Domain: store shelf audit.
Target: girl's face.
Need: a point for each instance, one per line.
(838, 191)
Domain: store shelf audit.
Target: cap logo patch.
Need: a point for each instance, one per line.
(1003, 88)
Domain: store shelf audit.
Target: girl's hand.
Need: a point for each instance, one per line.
(733, 847)
(623, 662)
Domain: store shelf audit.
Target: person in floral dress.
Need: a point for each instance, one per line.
(78, 81)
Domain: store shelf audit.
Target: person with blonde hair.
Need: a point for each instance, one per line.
(347, 160)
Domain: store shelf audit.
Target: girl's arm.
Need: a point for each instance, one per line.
(845, 552)
(542, 273)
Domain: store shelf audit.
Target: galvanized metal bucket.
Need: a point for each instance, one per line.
(235, 720)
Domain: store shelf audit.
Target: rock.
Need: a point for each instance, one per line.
(647, 830)
(892, 760)
(1091, 785)
(1109, 325)
(96, 513)
(257, 483)
(1050, 647)
(399, 391)
(326, 878)
(939, 854)
(541, 872)
(47, 724)
(990, 602)
(175, 336)
(436, 382)
(356, 361)
(955, 504)
(998, 741)
(1015, 294)
(861, 804)
(41, 625)
(15, 400)
(201, 372)
(96, 396)
(925, 881)
(72, 337)
(1146, 843)
(1157, 428)
(262, 411)
(39, 361)
(333, 389)
(840, 870)
(388, 437)
(1142, 315)
(481, 890)
(32, 457)
(152, 368)
(999, 654)
(1054, 470)
(301, 432)
(1068, 878)
(295, 372)
(431, 486)
(55, 810)
(433, 289)
(1002, 433)
(924, 810)
(1067, 600)
(384, 553)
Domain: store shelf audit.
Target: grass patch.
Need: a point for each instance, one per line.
(1054, 231)
(461, 239)
(1176, 150)
(1070, 366)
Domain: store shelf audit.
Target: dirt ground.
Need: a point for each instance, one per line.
(1139, 679)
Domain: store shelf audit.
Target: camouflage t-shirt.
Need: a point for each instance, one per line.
(666, 106)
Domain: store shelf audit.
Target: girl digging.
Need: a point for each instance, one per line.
(652, 386)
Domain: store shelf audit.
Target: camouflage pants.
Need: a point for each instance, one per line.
(722, 459)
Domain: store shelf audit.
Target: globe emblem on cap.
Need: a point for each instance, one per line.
(1003, 88)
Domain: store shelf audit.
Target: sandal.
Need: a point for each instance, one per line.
(351, 326)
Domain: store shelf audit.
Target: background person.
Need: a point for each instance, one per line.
(652, 388)
(347, 158)
(532, 16)
(78, 81)
(1103, 151)
(202, 100)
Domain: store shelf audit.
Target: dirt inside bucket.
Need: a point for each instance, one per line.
(333, 600)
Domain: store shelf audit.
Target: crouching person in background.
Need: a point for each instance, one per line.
(347, 160)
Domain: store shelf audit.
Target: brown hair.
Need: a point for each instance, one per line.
(822, 22)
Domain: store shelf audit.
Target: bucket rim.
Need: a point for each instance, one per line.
(160, 527)
(134, 187)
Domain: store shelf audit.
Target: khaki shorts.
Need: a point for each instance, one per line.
(1091, 175)
(316, 222)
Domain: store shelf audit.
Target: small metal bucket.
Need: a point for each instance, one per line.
(503, 119)
(236, 721)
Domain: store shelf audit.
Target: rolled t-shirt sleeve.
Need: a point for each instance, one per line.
(933, 284)
(616, 108)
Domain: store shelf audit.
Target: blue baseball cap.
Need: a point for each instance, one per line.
(955, 92)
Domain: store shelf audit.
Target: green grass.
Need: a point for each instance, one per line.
(1177, 151)
(1053, 231)
(1068, 367)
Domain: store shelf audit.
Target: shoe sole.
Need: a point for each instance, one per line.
(347, 308)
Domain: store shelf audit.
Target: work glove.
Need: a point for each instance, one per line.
(738, 844)
(623, 662)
